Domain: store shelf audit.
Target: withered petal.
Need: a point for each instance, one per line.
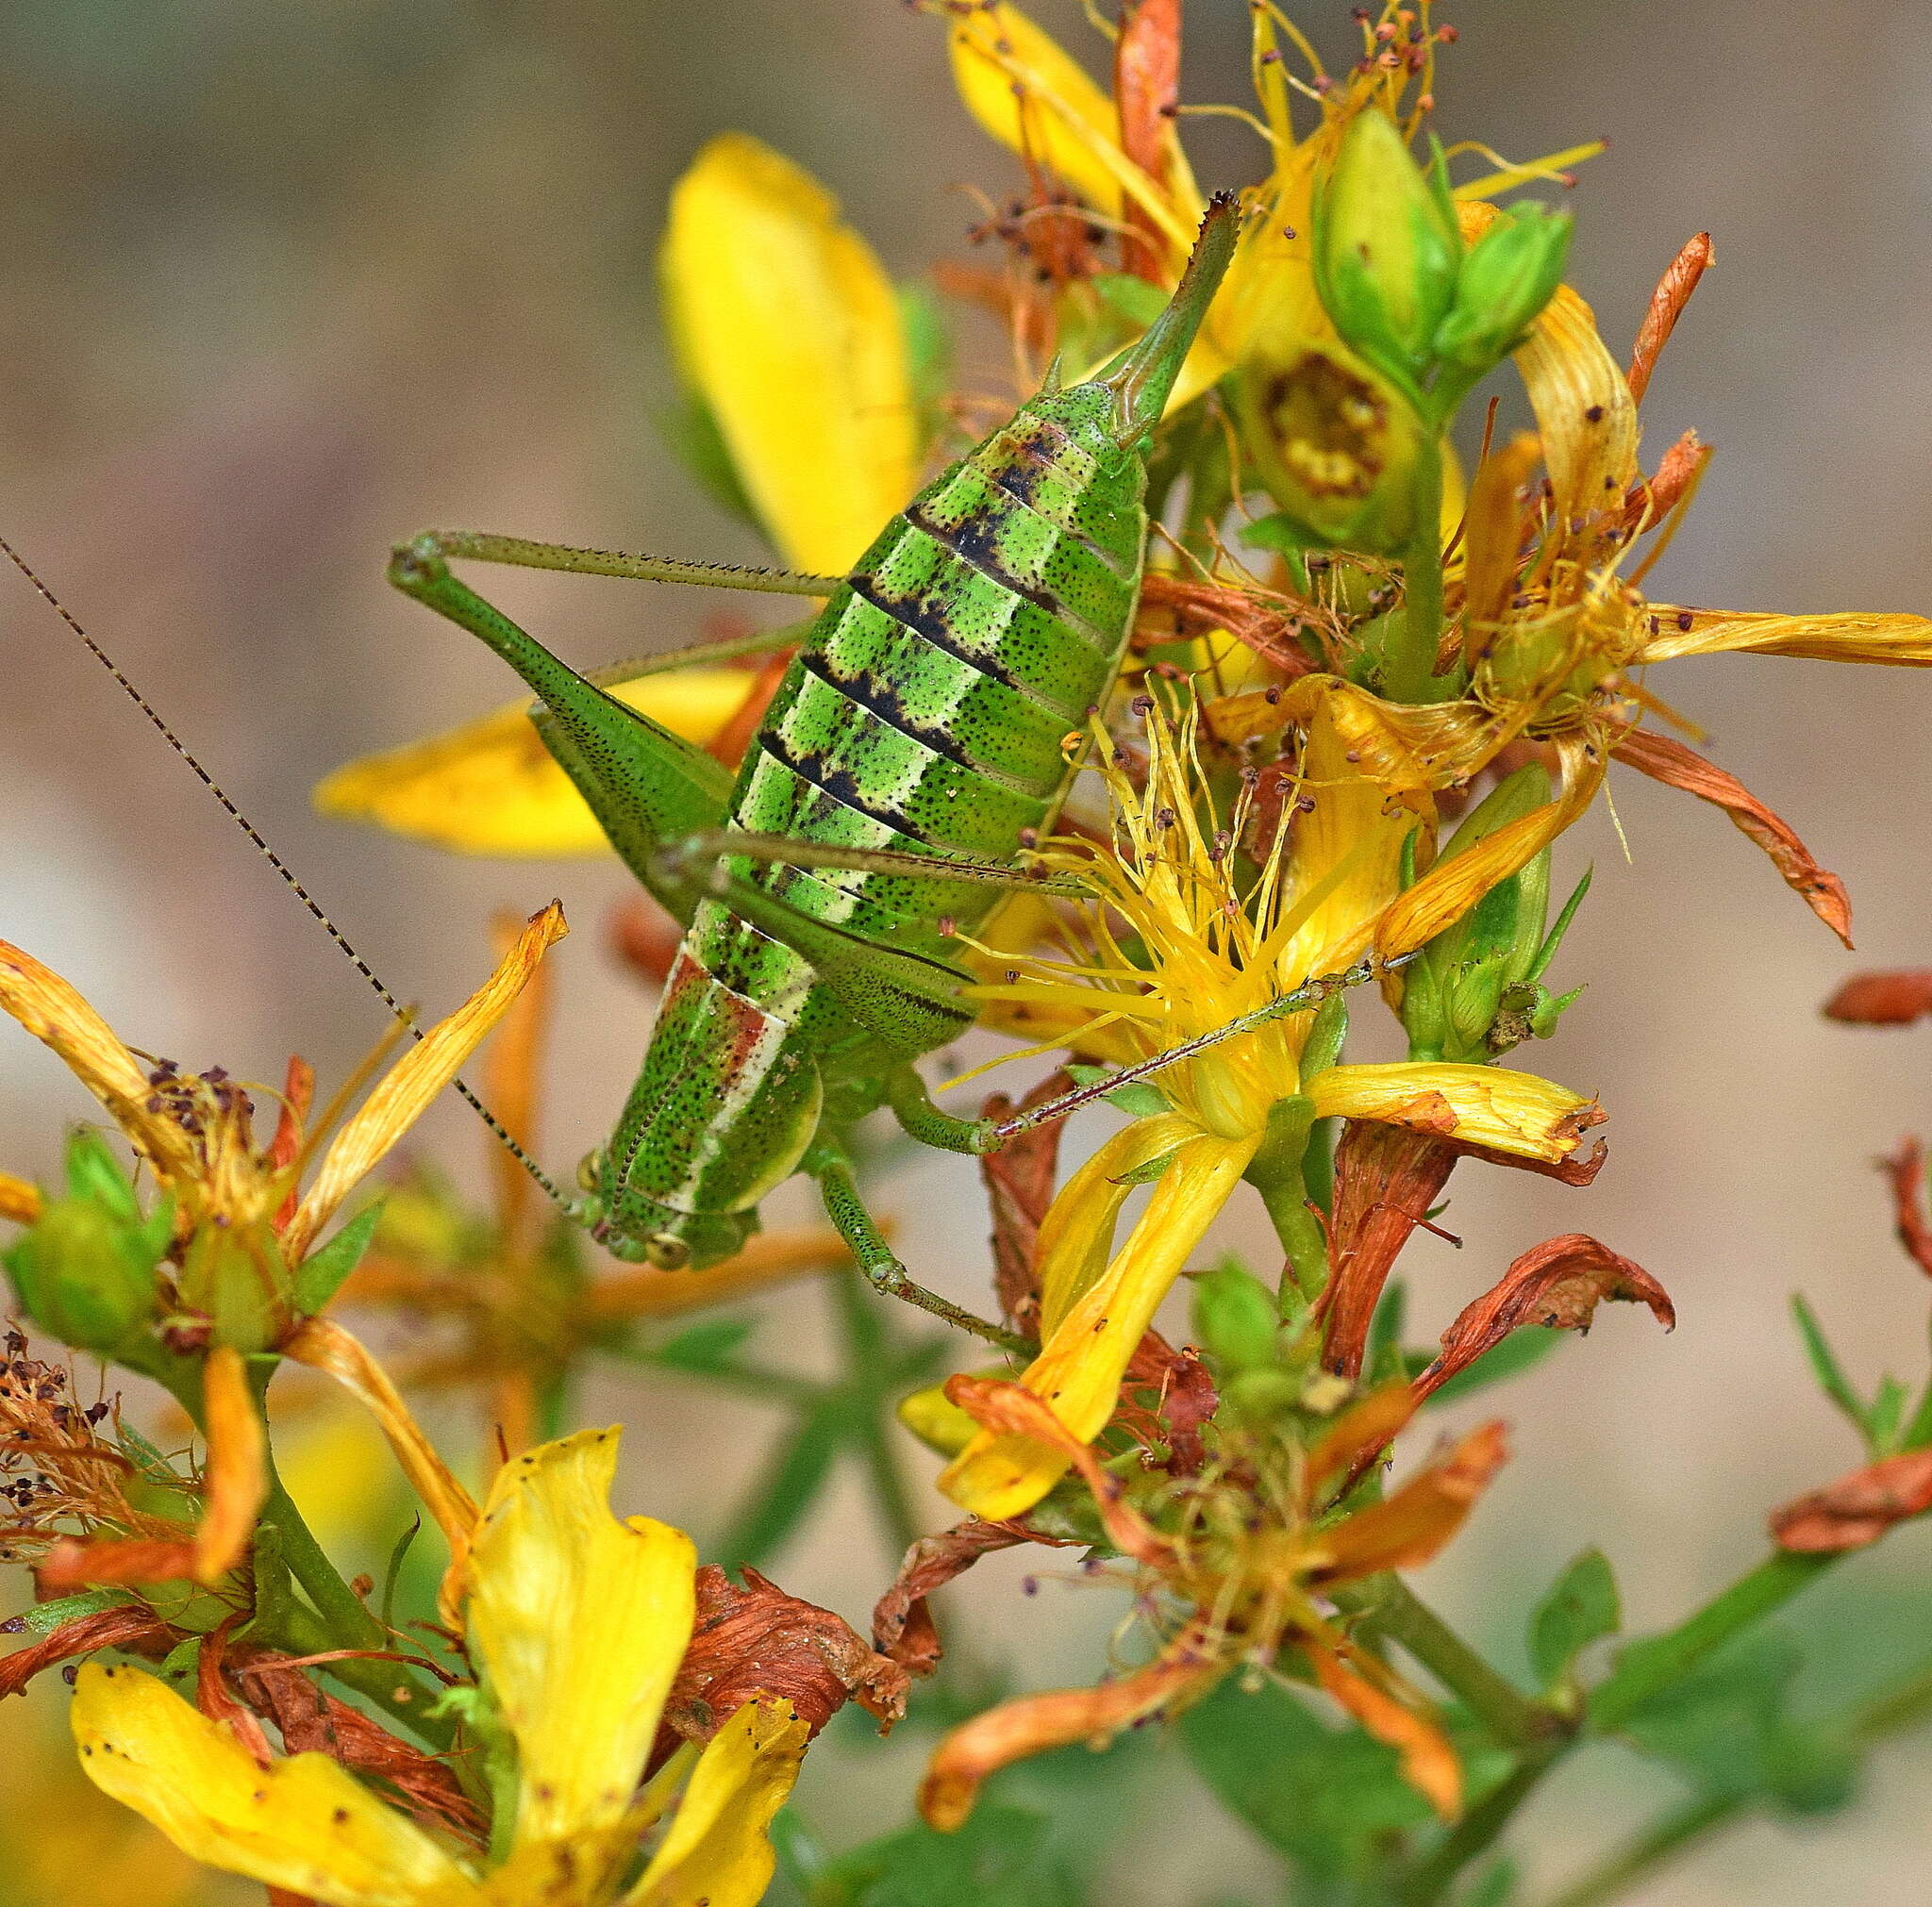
(1413, 1523)
(132, 1627)
(1557, 1283)
(1859, 1508)
(1672, 763)
(1906, 1168)
(1428, 1761)
(902, 1624)
(1893, 998)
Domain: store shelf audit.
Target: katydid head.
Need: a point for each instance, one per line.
(645, 1231)
(1142, 378)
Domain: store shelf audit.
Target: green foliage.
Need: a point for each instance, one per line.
(1522, 1350)
(1003, 1857)
(320, 1275)
(1581, 1608)
(1329, 1800)
(1729, 1728)
(1236, 1317)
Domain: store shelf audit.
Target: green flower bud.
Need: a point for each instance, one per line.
(85, 1275)
(1387, 247)
(1509, 274)
(236, 1278)
(1335, 444)
(1234, 1318)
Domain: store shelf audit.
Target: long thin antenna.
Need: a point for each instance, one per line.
(275, 861)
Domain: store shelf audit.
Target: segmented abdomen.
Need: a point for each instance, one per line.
(927, 712)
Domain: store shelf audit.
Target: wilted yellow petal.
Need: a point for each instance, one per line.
(1456, 884)
(579, 1622)
(490, 787)
(1032, 96)
(1076, 1237)
(786, 326)
(718, 1852)
(237, 1478)
(1485, 1105)
(403, 1095)
(326, 1345)
(1078, 1372)
(1492, 542)
(305, 1825)
(1852, 637)
(54, 1011)
(18, 1200)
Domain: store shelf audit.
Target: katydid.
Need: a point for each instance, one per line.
(916, 742)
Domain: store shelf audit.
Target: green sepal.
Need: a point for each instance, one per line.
(1507, 276)
(42, 1619)
(1236, 1317)
(320, 1275)
(85, 1276)
(1138, 1098)
(1580, 1607)
(96, 1177)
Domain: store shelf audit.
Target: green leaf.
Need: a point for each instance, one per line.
(397, 1556)
(42, 1619)
(1825, 1367)
(705, 1346)
(1729, 1728)
(320, 1275)
(1582, 1607)
(1328, 1798)
(1886, 1418)
(1493, 1887)
(1001, 1858)
(1137, 1099)
(792, 1481)
(928, 356)
(1135, 299)
(1524, 1349)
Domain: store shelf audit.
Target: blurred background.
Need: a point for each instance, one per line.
(281, 284)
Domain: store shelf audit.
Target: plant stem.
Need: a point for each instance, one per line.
(1478, 1829)
(1648, 1667)
(1510, 1715)
(1411, 663)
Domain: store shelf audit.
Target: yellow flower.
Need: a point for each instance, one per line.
(1211, 953)
(786, 326)
(577, 1623)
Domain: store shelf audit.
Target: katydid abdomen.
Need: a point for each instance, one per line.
(927, 718)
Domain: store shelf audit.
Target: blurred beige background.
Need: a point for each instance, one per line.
(279, 284)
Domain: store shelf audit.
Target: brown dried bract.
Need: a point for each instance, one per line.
(1666, 306)
(902, 1624)
(1386, 1178)
(1678, 767)
(1558, 1283)
(1147, 92)
(1906, 1168)
(1166, 1396)
(1858, 1509)
(135, 1629)
(1270, 628)
(1889, 999)
(1018, 1180)
(313, 1721)
(757, 1640)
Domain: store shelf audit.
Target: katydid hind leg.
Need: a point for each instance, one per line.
(527, 552)
(644, 784)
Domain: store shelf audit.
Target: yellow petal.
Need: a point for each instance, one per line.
(326, 1345)
(1848, 638)
(579, 1622)
(1076, 1237)
(403, 1095)
(1029, 93)
(1078, 1372)
(718, 1852)
(52, 1011)
(1351, 823)
(305, 1825)
(1485, 1105)
(237, 1478)
(787, 327)
(18, 1200)
(490, 787)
